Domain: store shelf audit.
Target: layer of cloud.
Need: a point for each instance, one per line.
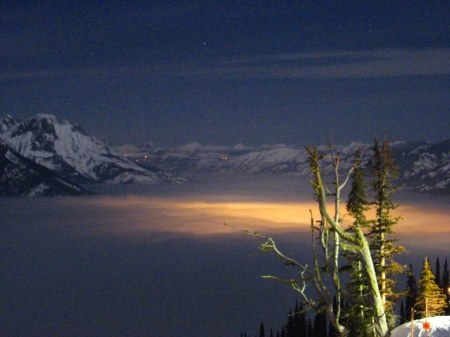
(202, 215)
(317, 65)
(337, 65)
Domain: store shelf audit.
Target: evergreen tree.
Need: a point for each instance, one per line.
(445, 277)
(431, 300)
(411, 293)
(446, 285)
(402, 312)
(384, 170)
(437, 273)
(271, 332)
(290, 325)
(310, 328)
(359, 313)
(261, 330)
(300, 327)
(357, 203)
(320, 324)
(283, 332)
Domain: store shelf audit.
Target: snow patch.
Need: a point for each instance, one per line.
(439, 327)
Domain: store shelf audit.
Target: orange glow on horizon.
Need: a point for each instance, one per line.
(135, 214)
(203, 218)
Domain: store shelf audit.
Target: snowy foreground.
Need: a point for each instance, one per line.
(439, 327)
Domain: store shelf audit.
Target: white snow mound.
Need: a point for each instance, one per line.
(439, 327)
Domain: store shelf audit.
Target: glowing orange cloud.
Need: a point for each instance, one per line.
(147, 215)
(130, 214)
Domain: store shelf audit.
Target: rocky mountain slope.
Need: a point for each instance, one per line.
(65, 148)
(20, 176)
(424, 166)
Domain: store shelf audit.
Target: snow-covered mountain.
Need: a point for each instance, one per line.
(65, 148)
(20, 176)
(423, 165)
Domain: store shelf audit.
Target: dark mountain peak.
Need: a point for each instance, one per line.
(65, 148)
(443, 147)
(149, 146)
(20, 176)
(7, 122)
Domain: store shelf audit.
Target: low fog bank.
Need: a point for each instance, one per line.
(236, 187)
(137, 260)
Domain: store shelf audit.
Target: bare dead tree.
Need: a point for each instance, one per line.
(329, 239)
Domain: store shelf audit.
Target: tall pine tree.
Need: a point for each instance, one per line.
(357, 203)
(384, 171)
(437, 273)
(358, 314)
(431, 300)
(310, 328)
(446, 285)
(411, 292)
(320, 327)
(261, 330)
(290, 325)
(402, 312)
(300, 327)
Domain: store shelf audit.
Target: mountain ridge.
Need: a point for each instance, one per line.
(424, 166)
(67, 149)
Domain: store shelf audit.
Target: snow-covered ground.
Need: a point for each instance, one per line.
(439, 327)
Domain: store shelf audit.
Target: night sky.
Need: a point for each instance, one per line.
(223, 73)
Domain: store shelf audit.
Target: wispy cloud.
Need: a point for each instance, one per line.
(336, 65)
(314, 65)
(79, 72)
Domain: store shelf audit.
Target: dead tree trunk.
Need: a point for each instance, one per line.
(357, 242)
